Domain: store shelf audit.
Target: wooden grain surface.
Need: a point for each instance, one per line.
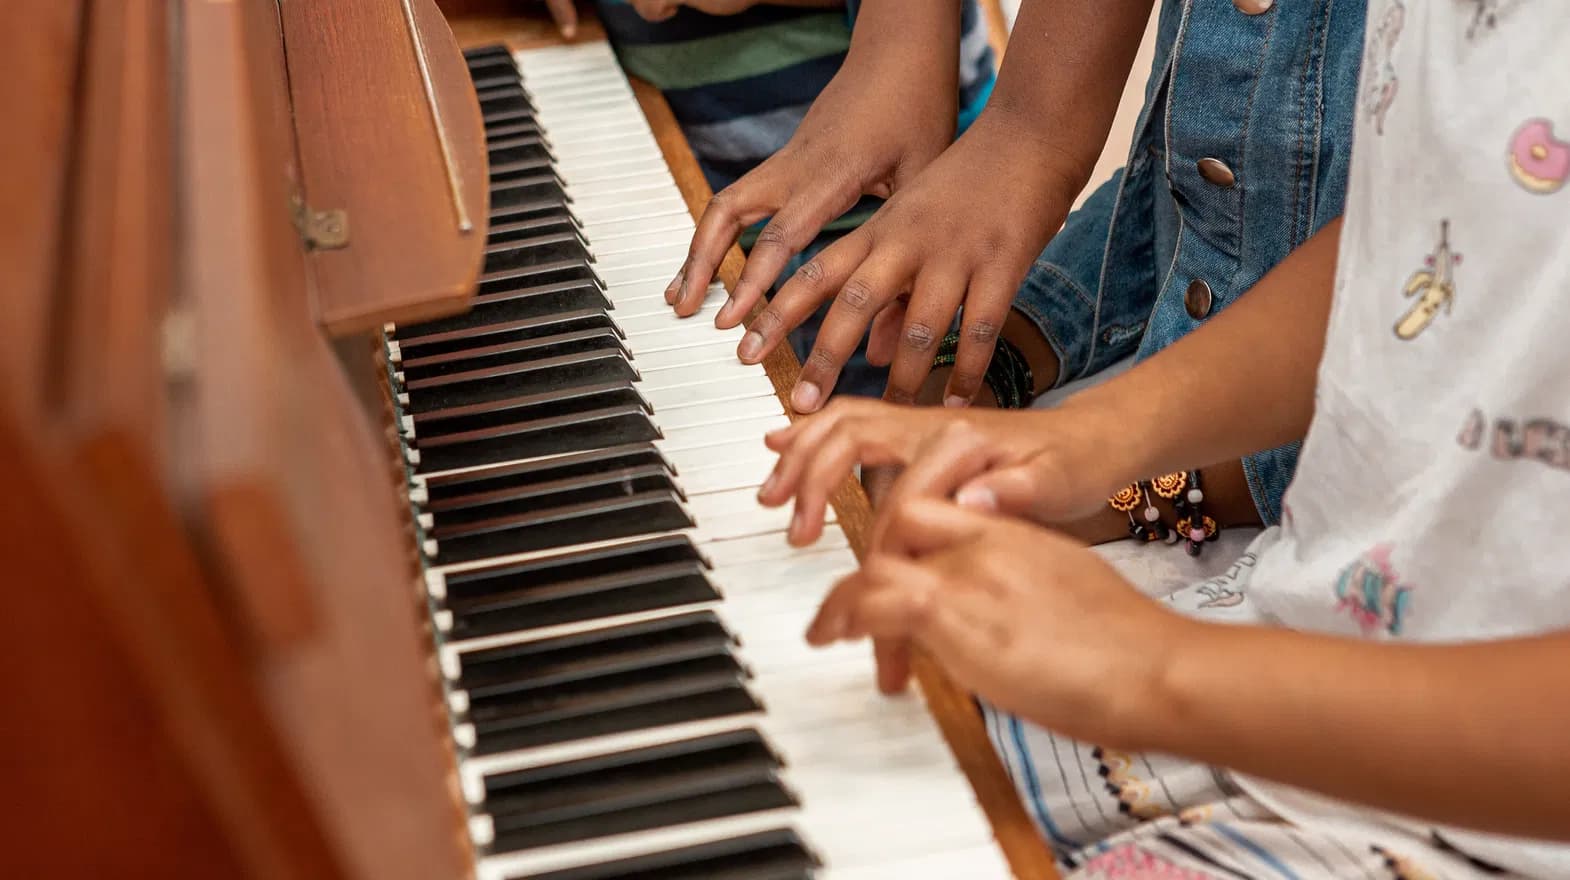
(368, 145)
(478, 22)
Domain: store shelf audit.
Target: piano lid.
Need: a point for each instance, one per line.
(391, 198)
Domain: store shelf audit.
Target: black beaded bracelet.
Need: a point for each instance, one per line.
(1008, 375)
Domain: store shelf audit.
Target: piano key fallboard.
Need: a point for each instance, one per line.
(618, 622)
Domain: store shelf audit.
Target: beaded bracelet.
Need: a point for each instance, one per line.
(1187, 496)
(1008, 374)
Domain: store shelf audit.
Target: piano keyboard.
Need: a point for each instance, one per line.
(619, 623)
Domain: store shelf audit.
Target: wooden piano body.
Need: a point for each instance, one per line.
(217, 655)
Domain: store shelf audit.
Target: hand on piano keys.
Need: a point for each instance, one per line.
(619, 621)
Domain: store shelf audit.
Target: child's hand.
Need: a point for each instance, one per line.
(963, 233)
(1056, 466)
(886, 115)
(1020, 616)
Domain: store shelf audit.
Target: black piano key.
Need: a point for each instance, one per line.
(486, 52)
(517, 193)
(582, 490)
(623, 517)
(510, 281)
(536, 605)
(514, 351)
(556, 493)
(494, 75)
(684, 783)
(522, 410)
(770, 855)
(575, 432)
(741, 795)
(551, 662)
(504, 168)
(565, 244)
(516, 127)
(714, 687)
(525, 473)
(506, 145)
(476, 584)
(508, 115)
(433, 344)
(533, 225)
(600, 367)
(494, 95)
(525, 303)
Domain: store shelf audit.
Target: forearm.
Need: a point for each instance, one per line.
(1063, 77)
(1241, 383)
(918, 38)
(1469, 734)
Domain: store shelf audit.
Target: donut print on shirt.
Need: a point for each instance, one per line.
(1539, 161)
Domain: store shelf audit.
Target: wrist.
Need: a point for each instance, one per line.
(1019, 134)
(1024, 335)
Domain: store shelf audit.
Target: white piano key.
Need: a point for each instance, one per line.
(718, 352)
(657, 316)
(666, 399)
(647, 300)
(662, 271)
(698, 374)
(985, 862)
(649, 204)
(674, 239)
(718, 412)
(715, 435)
(738, 475)
(613, 229)
(769, 548)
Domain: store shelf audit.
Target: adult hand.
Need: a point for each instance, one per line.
(963, 233)
(886, 115)
(1032, 622)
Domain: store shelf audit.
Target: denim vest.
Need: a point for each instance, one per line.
(1239, 155)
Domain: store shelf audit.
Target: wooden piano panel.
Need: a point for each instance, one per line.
(413, 184)
(479, 22)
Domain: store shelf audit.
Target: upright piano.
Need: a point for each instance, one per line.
(369, 513)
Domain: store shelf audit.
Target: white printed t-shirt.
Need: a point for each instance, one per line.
(1432, 499)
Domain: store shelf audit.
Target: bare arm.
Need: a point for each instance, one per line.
(1468, 734)
(1241, 383)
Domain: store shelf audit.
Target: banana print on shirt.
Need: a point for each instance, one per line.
(1433, 287)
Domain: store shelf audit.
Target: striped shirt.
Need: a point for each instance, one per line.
(740, 84)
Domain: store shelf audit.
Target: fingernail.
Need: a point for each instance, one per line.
(725, 312)
(977, 498)
(674, 286)
(954, 401)
(751, 346)
(805, 397)
(796, 523)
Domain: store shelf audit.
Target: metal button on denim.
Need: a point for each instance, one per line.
(1198, 299)
(1253, 7)
(1217, 172)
